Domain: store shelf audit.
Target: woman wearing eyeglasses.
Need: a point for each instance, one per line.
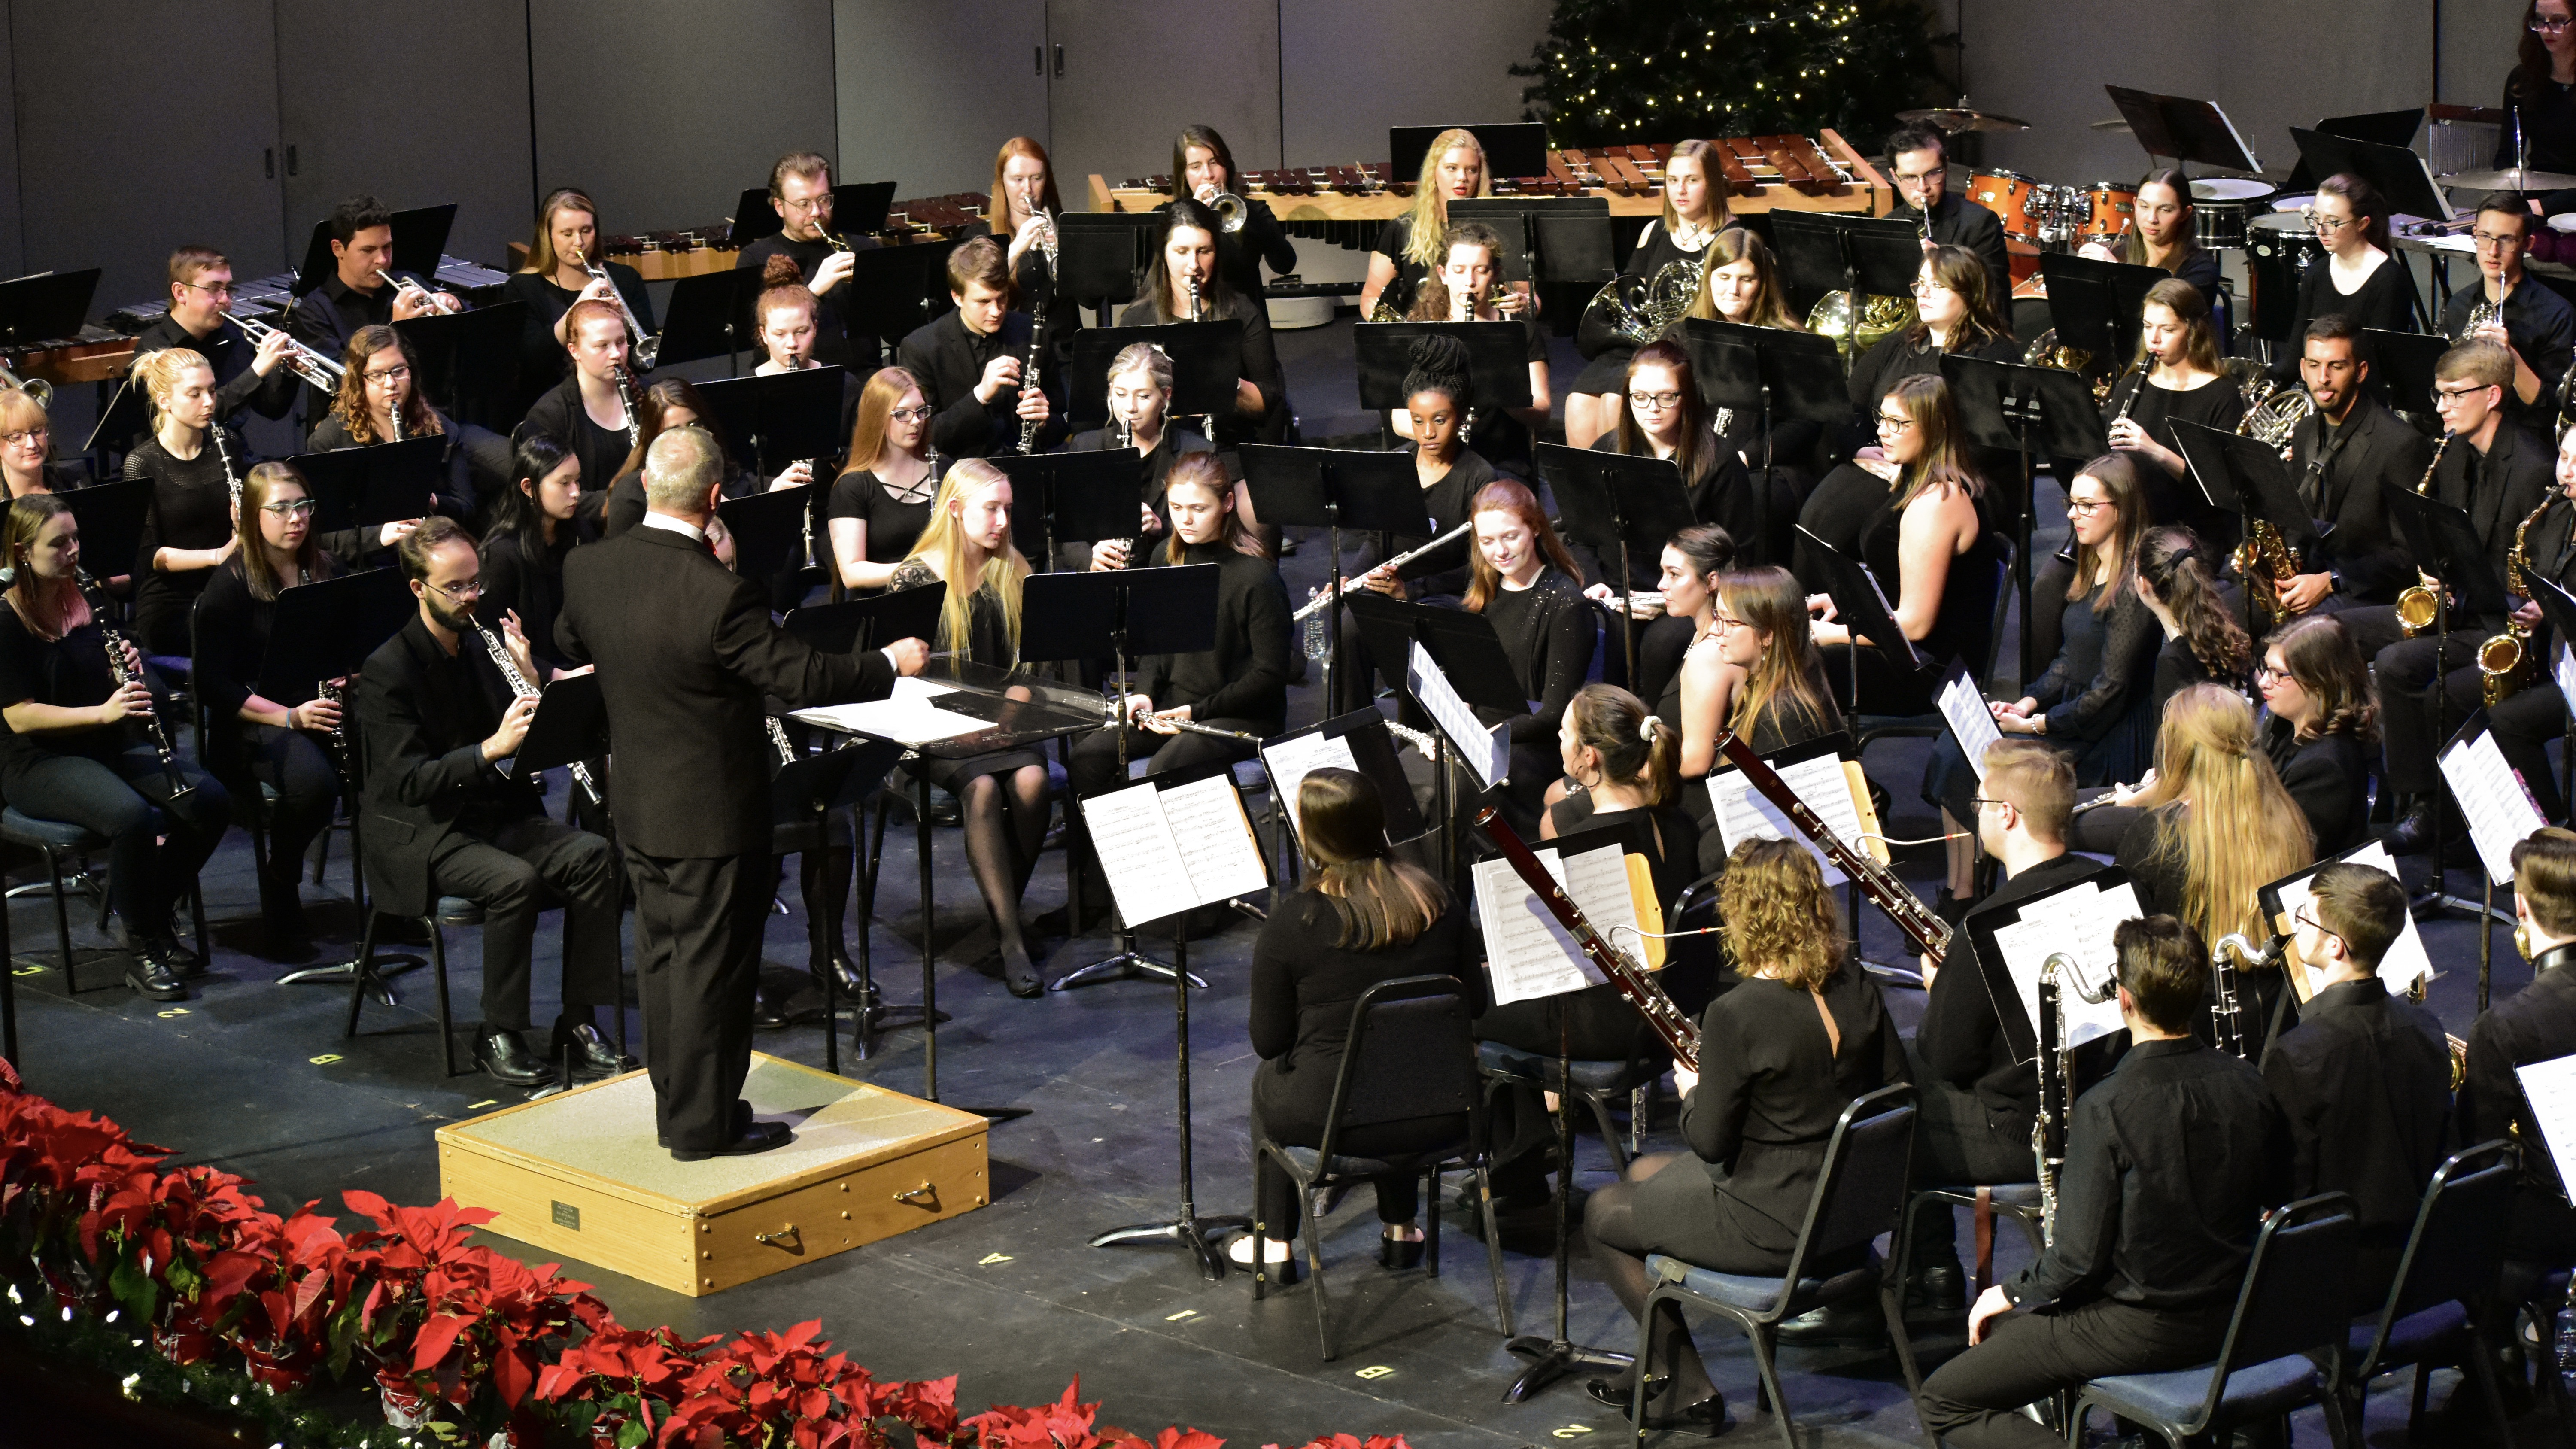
(2321, 726)
(1664, 418)
(879, 507)
(380, 402)
(1140, 398)
(2540, 98)
(2356, 277)
(26, 445)
(252, 739)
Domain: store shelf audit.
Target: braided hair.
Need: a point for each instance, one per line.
(1439, 363)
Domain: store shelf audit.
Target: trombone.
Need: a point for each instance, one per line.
(303, 361)
(420, 295)
(646, 345)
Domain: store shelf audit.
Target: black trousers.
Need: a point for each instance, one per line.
(2404, 669)
(2523, 723)
(511, 873)
(1974, 1399)
(155, 843)
(698, 923)
(295, 765)
(1959, 1141)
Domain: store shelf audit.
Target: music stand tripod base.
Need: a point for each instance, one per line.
(1126, 964)
(1188, 1228)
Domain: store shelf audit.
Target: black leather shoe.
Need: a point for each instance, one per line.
(755, 1137)
(1397, 1254)
(508, 1060)
(1705, 1418)
(2413, 833)
(845, 980)
(741, 1120)
(1845, 1323)
(592, 1055)
(153, 979)
(1939, 1288)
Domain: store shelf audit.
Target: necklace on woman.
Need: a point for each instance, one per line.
(1692, 236)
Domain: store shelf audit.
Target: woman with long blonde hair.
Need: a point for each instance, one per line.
(1415, 242)
(194, 463)
(2218, 824)
(1794, 1043)
(881, 503)
(966, 549)
(566, 244)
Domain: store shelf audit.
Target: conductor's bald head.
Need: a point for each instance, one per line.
(681, 471)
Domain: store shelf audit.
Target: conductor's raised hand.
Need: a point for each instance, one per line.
(909, 656)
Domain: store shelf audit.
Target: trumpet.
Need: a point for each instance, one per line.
(419, 294)
(645, 346)
(2421, 603)
(1232, 211)
(34, 387)
(303, 361)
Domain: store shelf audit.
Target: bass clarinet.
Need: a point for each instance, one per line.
(2056, 1081)
(519, 685)
(2227, 962)
(1930, 934)
(125, 674)
(1669, 1022)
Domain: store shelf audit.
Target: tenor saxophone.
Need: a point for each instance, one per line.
(2504, 660)
(2421, 602)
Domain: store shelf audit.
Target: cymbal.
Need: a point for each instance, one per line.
(1959, 119)
(2116, 123)
(2511, 178)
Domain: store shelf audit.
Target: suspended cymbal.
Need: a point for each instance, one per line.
(2511, 178)
(1955, 119)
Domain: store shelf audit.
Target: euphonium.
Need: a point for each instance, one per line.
(2504, 660)
(2420, 604)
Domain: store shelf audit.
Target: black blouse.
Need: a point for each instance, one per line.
(894, 525)
(191, 508)
(2103, 655)
(1446, 502)
(988, 638)
(533, 587)
(1548, 632)
(1392, 239)
(2330, 778)
(2548, 123)
(1260, 364)
(2386, 301)
(1304, 985)
(71, 672)
(543, 360)
(1245, 676)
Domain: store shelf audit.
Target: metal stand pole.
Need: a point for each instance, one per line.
(1126, 961)
(1553, 1358)
(1188, 1229)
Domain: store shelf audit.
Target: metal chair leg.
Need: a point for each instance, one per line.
(63, 918)
(438, 960)
(1770, 1384)
(1315, 1270)
(1494, 1249)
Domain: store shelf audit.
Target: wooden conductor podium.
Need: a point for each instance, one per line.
(579, 1174)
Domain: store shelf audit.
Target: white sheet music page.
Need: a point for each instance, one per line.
(2550, 1088)
(1134, 842)
(1744, 813)
(1598, 881)
(1484, 750)
(1971, 722)
(2564, 671)
(1527, 953)
(2405, 960)
(1291, 761)
(910, 715)
(1214, 839)
(2500, 814)
(2066, 922)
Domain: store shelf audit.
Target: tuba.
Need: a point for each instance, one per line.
(2504, 660)
(2421, 602)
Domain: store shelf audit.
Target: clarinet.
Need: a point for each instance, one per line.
(519, 685)
(224, 455)
(125, 674)
(1669, 1022)
(778, 737)
(1029, 378)
(337, 737)
(618, 379)
(1930, 934)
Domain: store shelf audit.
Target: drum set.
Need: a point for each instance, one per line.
(2039, 214)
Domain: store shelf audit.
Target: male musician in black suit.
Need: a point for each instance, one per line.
(968, 362)
(2535, 1024)
(437, 719)
(2497, 472)
(2170, 1163)
(246, 376)
(686, 652)
(2539, 327)
(586, 412)
(2526, 722)
(2364, 1079)
(355, 295)
(800, 191)
(1977, 1096)
(1919, 157)
(2339, 456)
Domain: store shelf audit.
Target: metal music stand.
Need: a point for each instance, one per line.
(1123, 613)
(376, 484)
(2402, 364)
(2559, 608)
(772, 531)
(110, 517)
(2246, 475)
(1101, 255)
(1328, 488)
(2095, 305)
(894, 290)
(420, 239)
(2185, 129)
(783, 416)
(45, 306)
(468, 361)
(1085, 495)
(1619, 503)
(808, 789)
(2000, 404)
(1545, 238)
(1468, 651)
(2405, 180)
(709, 316)
(1364, 734)
(1187, 1228)
(2487, 912)
(1206, 357)
(1861, 606)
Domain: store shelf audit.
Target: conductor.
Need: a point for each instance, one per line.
(686, 651)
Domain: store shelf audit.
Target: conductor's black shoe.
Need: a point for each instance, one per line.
(755, 1137)
(154, 980)
(741, 1120)
(507, 1059)
(2413, 833)
(1846, 1323)
(593, 1056)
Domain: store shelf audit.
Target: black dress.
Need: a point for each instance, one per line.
(2219, 404)
(2384, 301)
(232, 629)
(894, 521)
(543, 358)
(988, 642)
(530, 585)
(1548, 632)
(1259, 365)
(191, 508)
(1392, 239)
(1607, 354)
(1962, 627)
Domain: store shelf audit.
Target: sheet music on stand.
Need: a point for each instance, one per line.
(1487, 750)
(2499, 811)
(2550, 1088)
(2403, 964)
(1972, 724)
(1820, 783)
(2077, 920)
(910, 715)
(1527, 951)
(1169, 849)
(1290, 761)
(2563, 669)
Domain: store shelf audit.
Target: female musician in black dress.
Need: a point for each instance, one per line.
(2359, 276)
(879, 507)
(1024, 205)
(1521, 578)
(380, 402)
(27, 446)
(1003, 795)
(1202, 168)
(565, 246)
(1665, 418)
(2540, 98)
(72, 753)
(1361, 918)
(1412, 244)
(194, 465)
(1798, 1039)
(1760, 676)
(1463, 289)
(1140, 400)
(1695, 211)
(2176, 378)
(532, 532)
(2166, 234)
(251, 739)
(2091, 698)
(785, 315)
(2203, 644)
(1182, 284)
(2321, 726)
(1928, 534)
(1740, 283)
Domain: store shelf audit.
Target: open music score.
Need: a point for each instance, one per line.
(2077, 920)
(1486, 749)
(2403, 964)
(1529, 954)
(1166, 851)
(1290, 761)
(1822, 784)
(911, 714)
(2499, 811)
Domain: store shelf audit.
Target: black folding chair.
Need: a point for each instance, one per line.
(2446, 1285)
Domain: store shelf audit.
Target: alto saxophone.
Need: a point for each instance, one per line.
(2265, 555)
(2421, 602)
(2504, 660)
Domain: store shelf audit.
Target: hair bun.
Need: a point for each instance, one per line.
(780, 271)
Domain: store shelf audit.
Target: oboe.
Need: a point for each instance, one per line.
(125, 675)
(1669, 1022)
(519, 685)
(1931, 934)
(1397, 562)
(778, 737)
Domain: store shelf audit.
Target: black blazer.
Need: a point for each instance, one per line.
(686, 652)
(422, 739)
(947, 360)
(2511, 480)
(559, 415)
(1959, 222)
(2329, 777)
(2377, 447)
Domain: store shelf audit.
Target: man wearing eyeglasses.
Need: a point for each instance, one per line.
(2365, 1077)
(1918, 156)
(800, 191)
(2496, 472)
(447, 816)
(201, 291)
(355, 293)
(2538, 328)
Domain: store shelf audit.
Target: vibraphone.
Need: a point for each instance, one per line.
(663, 256)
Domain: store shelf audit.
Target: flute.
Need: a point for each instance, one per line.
(1190, 726)
(1397, 562)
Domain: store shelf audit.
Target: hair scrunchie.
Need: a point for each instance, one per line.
(1649, 727)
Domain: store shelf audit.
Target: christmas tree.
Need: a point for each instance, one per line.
(1619, 70)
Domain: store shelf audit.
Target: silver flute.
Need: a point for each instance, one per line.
(1397, 562)
(301, 360)
(519, 685)
(1188, 726)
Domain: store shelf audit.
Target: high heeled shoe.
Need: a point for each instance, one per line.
(1283, 1270)
(1397, 1254)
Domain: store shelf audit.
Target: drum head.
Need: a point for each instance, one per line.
(2281, 221)
(2230, 188)
(2113, 188)
(1998, 173)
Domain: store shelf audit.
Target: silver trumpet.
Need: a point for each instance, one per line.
(419, 294)
(1232, 211)
(519, 685)
(303, 361)
(645, 345)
